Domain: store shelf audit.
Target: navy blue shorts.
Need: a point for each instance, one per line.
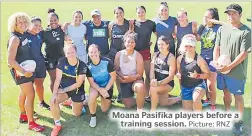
(21, 79)
(187, 93)
(234, 86)
(40, 70)
(211, 67)
(51, 63)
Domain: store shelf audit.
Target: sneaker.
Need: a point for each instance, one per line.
(92, 122)
(35, 115)
(212, 108)
(23, 118)
(56, 130)
(67, 102)
(148, 99)
(205, 103)
(35, 127)
(84, 110)
(44, 105)
(237, 128)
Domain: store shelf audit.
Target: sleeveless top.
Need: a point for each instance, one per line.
(161, 67)
(128, 63)
(186, 81)
(181, 31)
(23, 50)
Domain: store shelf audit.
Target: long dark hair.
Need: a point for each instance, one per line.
(214, 12)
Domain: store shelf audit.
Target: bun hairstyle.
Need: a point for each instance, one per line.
(50, 10)
(164, 4)
(215, 14)
(51, 13)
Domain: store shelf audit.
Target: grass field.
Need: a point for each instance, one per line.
(79, 126)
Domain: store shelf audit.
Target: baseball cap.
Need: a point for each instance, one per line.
(95, 12)
(234, 7)
(189, 39)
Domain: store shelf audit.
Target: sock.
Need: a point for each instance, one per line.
(42, 102)
(57, 122)
(139, 110)
(93, 115)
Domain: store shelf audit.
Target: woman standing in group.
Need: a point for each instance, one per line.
(70, 75)
(117, 29)
(165, 25)
(35, 40)
(162, 71)
(193, 70)
(18, 52)
(129, 69)
(53, 36)
(182, 28)
(101, 76)
(207, 35)
(144, 28)
(76, 32)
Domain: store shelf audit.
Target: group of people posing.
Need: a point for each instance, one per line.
(118, 52)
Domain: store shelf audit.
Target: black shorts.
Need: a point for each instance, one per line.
(40, 70)
(77, 96)
(21, 79)
(126, 89)
(110, 92)
(171, 83)
(51, 63)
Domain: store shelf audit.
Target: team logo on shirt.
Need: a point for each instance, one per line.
(99, 33)
(55, 34)
(66, 67)
(137, 23)
(51, 65)
(25, 42)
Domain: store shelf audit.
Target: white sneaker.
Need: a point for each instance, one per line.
(92, 122)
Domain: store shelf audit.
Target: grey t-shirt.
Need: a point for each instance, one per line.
(232, 42)
(77, 33)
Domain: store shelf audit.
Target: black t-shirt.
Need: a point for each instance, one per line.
(54, 42)
(117, 34)
(144, 31)
(69, 72)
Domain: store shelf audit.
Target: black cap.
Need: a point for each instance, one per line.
(234, 7)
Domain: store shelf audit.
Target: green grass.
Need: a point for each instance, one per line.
(79, 126)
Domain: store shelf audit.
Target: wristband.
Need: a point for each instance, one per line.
(198, 76)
